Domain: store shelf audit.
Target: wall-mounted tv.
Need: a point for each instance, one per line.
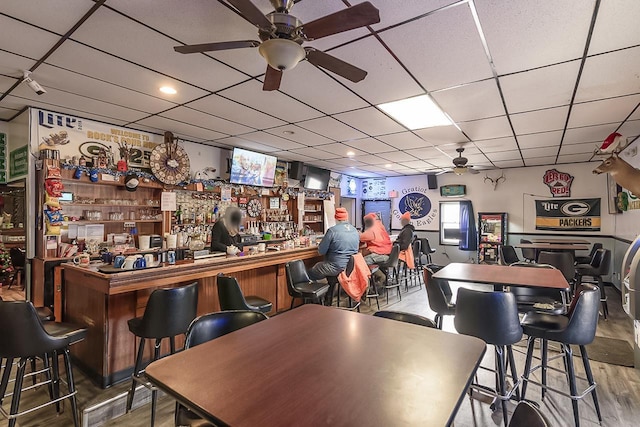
(317, 179)
(251, 168)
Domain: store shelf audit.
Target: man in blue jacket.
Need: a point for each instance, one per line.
(338, 244)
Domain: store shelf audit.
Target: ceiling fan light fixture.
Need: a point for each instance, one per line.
(281, 54)
(417, 112)
(460, 170)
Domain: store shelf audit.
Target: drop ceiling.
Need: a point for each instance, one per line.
(526, 83)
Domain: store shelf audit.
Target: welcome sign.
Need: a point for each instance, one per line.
(568, 215)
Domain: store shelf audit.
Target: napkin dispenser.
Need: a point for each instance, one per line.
(155, 241)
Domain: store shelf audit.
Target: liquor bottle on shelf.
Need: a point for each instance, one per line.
(179, 214)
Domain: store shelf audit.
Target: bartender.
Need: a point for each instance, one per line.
(226, 232)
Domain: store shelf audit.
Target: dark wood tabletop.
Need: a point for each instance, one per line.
(553, 246)
(319, 365)
(567, 241)
(504, 275)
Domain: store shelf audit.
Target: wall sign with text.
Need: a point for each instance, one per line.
(374, 188)
(568, 215)
(559, 183)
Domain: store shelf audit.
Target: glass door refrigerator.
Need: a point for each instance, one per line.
(492, 233)
(631, 292)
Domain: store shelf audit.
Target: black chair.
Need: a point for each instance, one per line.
(406, 317)
(508, 255)
(427, 250)
(391, 266)
(439, 295)
(492, 317)
(372, 292)
(416, 246)
(538, 299)
(578, 327)
(24, 338)
(17, 256)
(599, 266)
(206, 328)
(45, 314)
(231, 297)
(299, 285)
(527, 415)
(587, 259)
(528, 254)
(168, 313)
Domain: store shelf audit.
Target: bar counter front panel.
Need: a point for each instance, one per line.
(105, 302)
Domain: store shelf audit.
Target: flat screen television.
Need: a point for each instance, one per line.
(251, 168)
(317, 179)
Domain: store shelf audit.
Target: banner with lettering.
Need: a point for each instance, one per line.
(568, 215)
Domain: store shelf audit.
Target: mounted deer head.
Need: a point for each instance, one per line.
(495, 181)
(622, 172)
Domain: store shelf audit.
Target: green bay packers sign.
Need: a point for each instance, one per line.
(568, 215)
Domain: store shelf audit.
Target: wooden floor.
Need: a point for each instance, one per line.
(618, 387)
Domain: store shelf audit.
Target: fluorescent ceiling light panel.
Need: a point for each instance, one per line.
(416, 113)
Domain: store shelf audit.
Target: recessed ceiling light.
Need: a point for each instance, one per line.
(288, 132)
(168, 90)
(416, 113)
(350, 153)
(388, 165)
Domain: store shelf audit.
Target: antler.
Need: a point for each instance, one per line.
(487, 177)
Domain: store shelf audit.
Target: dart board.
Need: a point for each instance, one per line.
(170, 164)
(254, 208)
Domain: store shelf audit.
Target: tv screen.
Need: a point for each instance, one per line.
(251, 168)
(317, 179)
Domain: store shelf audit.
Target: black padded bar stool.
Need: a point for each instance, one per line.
(392, 270)
(587, 259)
(24, 338)
(492, 317)
(527, 415)
(168, 313)
(400, 316)
(299, 285)
(528, 254)
(439, 296)
(599, 266)
(372, 292)
(231, 297)
(508, 255)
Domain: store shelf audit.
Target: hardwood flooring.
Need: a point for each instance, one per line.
(618, 387)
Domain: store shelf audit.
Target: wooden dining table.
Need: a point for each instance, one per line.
(318, 365)
(565, 241)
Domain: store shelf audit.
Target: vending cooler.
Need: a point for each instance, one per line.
(492, 233)
(631, 292)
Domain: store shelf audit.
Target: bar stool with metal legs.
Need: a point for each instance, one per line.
(231, 297)
(168, 313)
(492, 317)
(578, 327)
(599, 266)
(24, 338)
(439, 296)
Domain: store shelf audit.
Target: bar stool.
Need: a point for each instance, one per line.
(25, 338)
(406, 318)
(416, 246)
(372, 292)
(168, 313)
(299, 285)
(231, 297)
(587, 259)
(426, 249)
(599, 266)
(507, 255)
(527, 415)
(530, 299)
(391, 265)
(578, 327)
(528, 254)
(492, 317)
(439, 296)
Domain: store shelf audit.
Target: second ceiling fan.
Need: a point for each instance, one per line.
(282, 35)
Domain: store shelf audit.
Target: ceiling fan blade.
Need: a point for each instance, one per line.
(356, 16)
(251, 13)
(335, 65)
(472, 171)
(272, 79)
(443, 172)
(209, 47)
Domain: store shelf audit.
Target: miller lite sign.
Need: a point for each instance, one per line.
(559, 183)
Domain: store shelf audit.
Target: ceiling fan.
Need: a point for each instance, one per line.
(282, 35)
(460, 166)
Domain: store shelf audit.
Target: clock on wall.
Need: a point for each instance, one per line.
(169, 162)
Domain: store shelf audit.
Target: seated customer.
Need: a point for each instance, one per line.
(226, 232)
(405, 238)
(377, 239)
(338, 244)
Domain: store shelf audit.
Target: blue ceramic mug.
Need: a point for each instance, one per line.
(107, 257)
(140, 263)
(118, 261)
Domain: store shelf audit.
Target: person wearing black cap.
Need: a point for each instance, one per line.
(226, 232)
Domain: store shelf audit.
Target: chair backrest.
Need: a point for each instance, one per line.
(425, 246)
(563, 261)
(601, 262)
(296, 274)
(528, 253)
(406, 317)
(170, 311)
(438, 292)
(583, 315)
(508, 255)
(416, 247)
(214, 325)
(22, 332)
(394, 256)
(17, 257)
(521, 291)
(527, 415)
(594, 248)
(230, 295)
(490, 316)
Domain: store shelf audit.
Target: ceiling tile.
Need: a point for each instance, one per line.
(272, 102)
(541, 161)
(207, 121)
(49, 15)
(182, 130)
(24, 39)
(90, 62)
(504, 155)
(396, 156)
(391, 14)
(6, 83)
(338, 149)
(509, 164)
(332, 128)
(425, 153)
(370, 159)
(539, 121)
(630, 128)
(442, 162)
(543, 139)
(585, 147)
(313, 152)
(404, 140)
(450, 149)
(299, 134)
(230, 110)
(347, 161)
(496, 127)
(524, 34)
(599, 81)
(541, 88)
(417, 164)
(244, 143)
(310, 85)
(497, 144)
(288, 155)
(471, 102)
(369, 145)
(575, 158)
(12, 65)
(450, 49)
(441, 135)
(386, 79)
(272, 140)
(613, 110)
(370, 121)
(540, 152)
(619, 14)
(588, 134)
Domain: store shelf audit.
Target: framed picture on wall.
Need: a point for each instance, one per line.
(612, 195)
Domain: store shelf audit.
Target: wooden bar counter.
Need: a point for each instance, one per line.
(105, 302)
